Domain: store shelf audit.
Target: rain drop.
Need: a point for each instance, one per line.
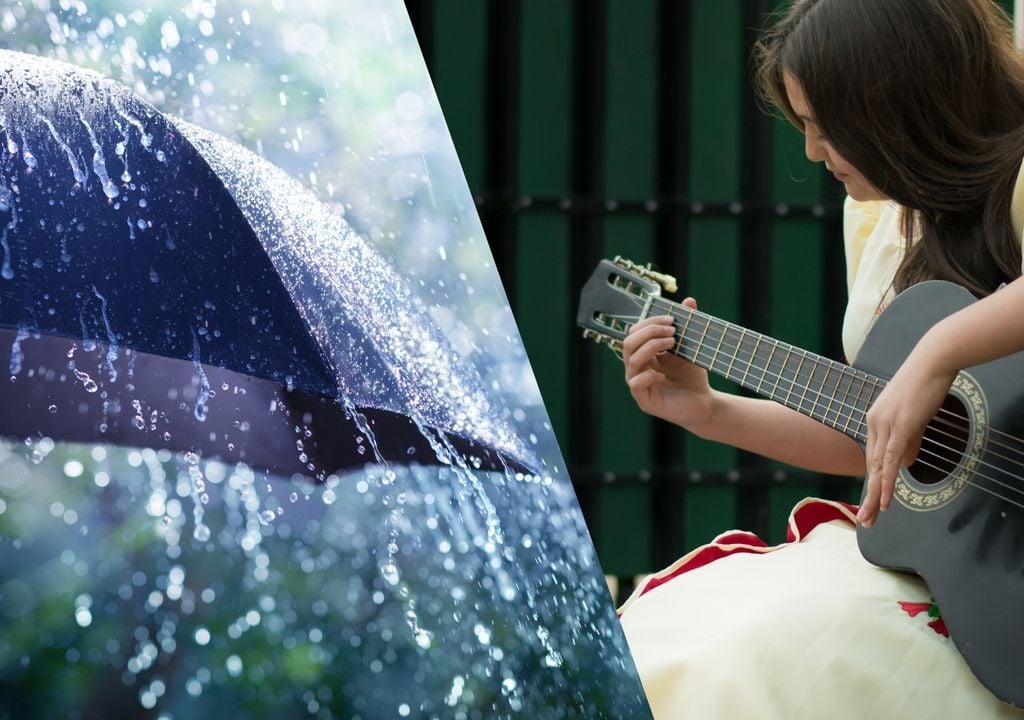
(329, 497)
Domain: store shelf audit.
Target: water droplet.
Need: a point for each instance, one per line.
(329, 497)
(423, 638)
(201, 533)
(293, 497)
(52, 409)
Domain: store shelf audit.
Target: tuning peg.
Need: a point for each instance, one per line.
(666, 281)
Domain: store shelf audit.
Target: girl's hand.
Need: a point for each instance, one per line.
(663, 384)
(896, 423)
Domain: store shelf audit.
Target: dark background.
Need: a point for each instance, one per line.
(590, 128)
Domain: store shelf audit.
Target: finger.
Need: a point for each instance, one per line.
(911, 453)
(640, 334)
(641, 383)
(660, 326)
(894, 452)
(869, 505)
(646, 354)
(648, 322)
(690, 303)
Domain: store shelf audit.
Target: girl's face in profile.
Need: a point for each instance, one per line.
(818, 148)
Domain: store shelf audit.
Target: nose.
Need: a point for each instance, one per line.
(814, 149)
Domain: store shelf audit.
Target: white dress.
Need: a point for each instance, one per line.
(806, 630)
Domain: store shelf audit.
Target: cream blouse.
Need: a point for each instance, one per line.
(874, 245)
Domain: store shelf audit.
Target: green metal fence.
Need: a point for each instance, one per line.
(590, 128)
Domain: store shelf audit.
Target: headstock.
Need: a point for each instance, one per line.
(618, 295)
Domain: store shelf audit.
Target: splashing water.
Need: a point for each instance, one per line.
(200, 411)
(17, 355)
(112, 347)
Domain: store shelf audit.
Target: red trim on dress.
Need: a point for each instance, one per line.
(805, 516)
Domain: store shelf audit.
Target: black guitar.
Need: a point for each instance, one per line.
(957, 516)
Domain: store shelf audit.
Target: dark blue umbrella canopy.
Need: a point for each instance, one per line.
(135, 236)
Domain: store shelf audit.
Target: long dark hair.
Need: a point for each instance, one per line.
(926, 99)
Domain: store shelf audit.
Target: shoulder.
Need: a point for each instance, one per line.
(865, 222)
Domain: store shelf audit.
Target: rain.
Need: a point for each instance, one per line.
(316, 481)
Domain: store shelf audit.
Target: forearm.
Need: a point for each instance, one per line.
(990, 328)
(777, 432)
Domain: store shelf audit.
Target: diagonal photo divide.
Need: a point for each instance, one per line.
(271, 443)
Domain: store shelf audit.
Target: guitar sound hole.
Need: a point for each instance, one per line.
(944, 443)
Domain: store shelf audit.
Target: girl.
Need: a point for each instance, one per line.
(917, 107)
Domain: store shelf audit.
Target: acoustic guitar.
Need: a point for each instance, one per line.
(957, 516)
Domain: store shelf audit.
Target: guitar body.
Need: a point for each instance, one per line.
(961, 526)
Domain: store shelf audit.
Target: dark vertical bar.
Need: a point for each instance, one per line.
(588, 114)
(502, 145)
(755, 229)
(421, 13)
(546, 319)
(715, 243)
(671, 247)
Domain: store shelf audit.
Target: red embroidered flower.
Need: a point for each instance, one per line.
(913, 609)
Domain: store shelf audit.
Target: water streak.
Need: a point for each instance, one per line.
(17, 355)
(204, 384)
(98, 163)
(80, 176)
(111, 338)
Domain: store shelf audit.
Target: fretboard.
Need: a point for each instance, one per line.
(830, 392)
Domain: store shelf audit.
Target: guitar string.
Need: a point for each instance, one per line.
(859, 434)
(840, 367)
(948, 423)
(938, 456)
(671, 307)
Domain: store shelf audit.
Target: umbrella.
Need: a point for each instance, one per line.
(205, 300)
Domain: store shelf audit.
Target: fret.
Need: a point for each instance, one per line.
(767, 363)
(682, 334)
(806, 363)
(718, 349)
(846, 407)
(732, 359)
(792, 383)
(821, 390)
(834, 420)
(786, 377)
(753, 357)
(856, 411)
(808, 385)
(700, 344)
(780, 376)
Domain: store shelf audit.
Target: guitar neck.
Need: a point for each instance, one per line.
(830, 392)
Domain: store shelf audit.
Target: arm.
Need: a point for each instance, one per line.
(988, 329)
(777, 432)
